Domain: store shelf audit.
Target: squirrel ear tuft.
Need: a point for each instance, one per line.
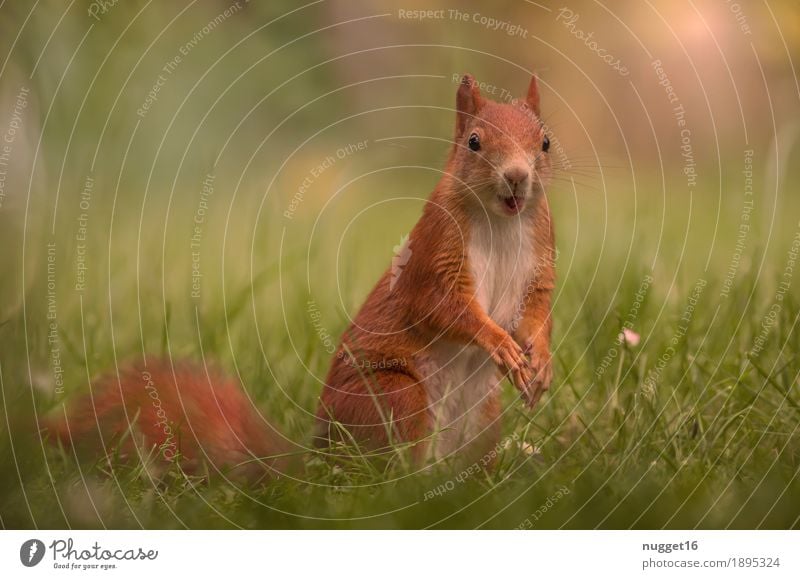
(468, 102)
(532, 99)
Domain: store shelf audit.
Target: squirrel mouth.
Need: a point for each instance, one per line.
(512, 205)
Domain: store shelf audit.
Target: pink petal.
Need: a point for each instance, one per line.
(630, 337)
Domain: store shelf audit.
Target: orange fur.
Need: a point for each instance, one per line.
(434, 299)
(174, 413)
(427, 350)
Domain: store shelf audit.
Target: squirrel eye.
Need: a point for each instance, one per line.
(545, 144)
(474, 142)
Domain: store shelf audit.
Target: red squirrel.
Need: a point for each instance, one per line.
(425, 357)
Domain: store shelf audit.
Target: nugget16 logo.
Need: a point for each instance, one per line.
(31, 552)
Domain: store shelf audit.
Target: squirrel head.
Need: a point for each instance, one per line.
(500, 156)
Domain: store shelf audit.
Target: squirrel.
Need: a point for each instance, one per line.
(424, 359)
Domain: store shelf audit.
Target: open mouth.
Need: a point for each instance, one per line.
(512, 205)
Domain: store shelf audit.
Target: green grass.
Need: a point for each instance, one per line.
(710, 441)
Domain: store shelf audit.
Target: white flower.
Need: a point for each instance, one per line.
(402, 253)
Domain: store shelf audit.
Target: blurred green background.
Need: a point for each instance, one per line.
(192, 178)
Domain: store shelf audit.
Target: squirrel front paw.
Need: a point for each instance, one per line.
(541, 370)
(510, 358)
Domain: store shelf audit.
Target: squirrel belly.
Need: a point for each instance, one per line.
(462, 381)
(402, 374)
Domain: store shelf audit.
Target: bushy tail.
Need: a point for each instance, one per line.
(178, 411)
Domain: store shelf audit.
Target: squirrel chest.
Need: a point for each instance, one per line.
(501, 261)
(459, 378)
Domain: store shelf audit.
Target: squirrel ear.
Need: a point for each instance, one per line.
(468, 102)
(532, 99)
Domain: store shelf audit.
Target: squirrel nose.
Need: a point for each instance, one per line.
(515, 175)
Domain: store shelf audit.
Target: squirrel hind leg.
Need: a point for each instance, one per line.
(389, 411)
